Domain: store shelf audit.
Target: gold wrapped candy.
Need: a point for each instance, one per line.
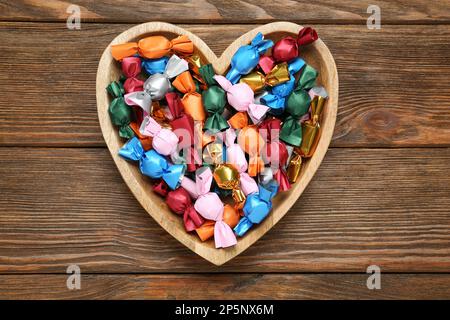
(227, 177)
(311, 128)
(195, 62)
(317, 104)
(294, 167)
(213, 153)
(257, 81)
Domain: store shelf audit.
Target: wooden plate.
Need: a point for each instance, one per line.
(316, 55)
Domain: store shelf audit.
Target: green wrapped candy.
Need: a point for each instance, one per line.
(297, 105)
(214, 100)
(119, 112)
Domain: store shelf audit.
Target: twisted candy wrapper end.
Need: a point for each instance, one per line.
(182, 124)
(120, 113)
(247, 57)
(209, 205)
(257, 81)
(231, 217)
(180, 202)
(257, 207)
(157, 85)
(241, 97)
(164, 140)
(294, 167)
(131, 68)
(306, 36)
(214, 101)
(153, 47)
(276, 99)
(192, 100)
(152, 164)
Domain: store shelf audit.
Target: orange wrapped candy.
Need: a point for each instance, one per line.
(231, 217)
(153, 47)
(192, 100)
(252, 143)
(239, 120)
(145, 141)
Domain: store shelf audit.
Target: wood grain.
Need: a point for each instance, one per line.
(385, 206)
(393, 82)
(230, 11)
(226, 286)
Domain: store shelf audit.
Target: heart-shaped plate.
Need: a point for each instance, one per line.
(317, 55)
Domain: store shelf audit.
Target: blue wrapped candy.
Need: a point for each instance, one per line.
(152, 164)
(276, 100)
(247, 57)
(257, 207)
(153, 66)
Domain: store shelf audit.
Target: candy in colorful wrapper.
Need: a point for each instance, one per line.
(269, 130)
(161, 188)
(195, 63)
(227, 177)
(182, 124)
(200, 121)
(257, 81)
(179, 201)
(145, 141)
(131, 68)
(297, 105)
(153, 47)
(318, 98)
(192, 100)
(235, 156)
(153, 66)
(247, 57)
(157, 85)
(276, 99)
(209, 205)
(214, 101)
(265, 176)
(239, 120)
(165, 141)
(266, 64)
(306, 35)
(256, 208)
(279, 149)
(241, 97)
(120, 113)
(231, 217)
(202, 138)
(311, 127)
(252, 143)
(294, 167)
(214, 154)
(276, 152)
(153, 164)
(287, 48)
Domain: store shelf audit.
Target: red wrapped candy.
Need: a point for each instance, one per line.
(179, 201)
(131, 68)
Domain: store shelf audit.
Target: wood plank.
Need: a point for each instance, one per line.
(393, 83)
(220, 11)
(380, 206)
(226, 286)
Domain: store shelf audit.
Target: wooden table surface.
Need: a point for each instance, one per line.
(381, 196)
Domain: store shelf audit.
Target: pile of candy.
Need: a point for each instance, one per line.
(217, 148)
